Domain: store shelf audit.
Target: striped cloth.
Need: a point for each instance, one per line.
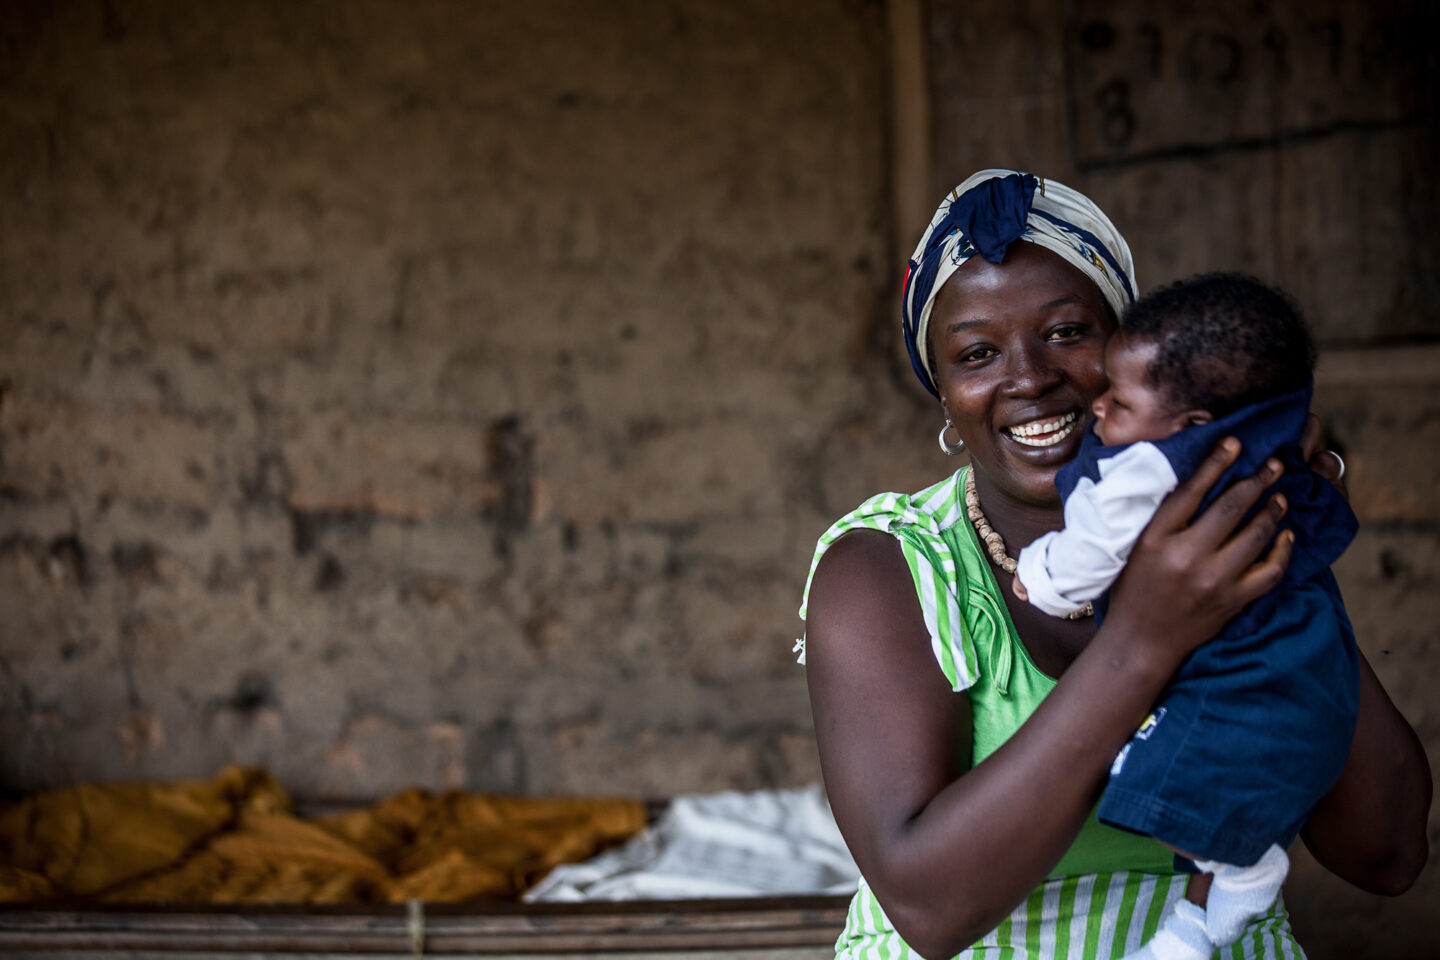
(1092, 909)
(984, 215)
(917, 522)
(1093, 917)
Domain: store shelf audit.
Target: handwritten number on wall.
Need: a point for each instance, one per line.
(1278, 45)
(1144, 85)
(1117, 119)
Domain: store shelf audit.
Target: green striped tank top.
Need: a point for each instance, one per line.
(1110, 891)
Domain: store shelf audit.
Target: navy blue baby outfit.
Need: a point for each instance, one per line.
(1257, 724)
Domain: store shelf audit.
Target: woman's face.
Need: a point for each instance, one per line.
(1019, 352)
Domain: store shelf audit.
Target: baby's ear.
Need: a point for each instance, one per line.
(1193, 418)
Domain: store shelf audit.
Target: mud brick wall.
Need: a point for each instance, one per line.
(440, 394)
(450, 394)
(1294, 140)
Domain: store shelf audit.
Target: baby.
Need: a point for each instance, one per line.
(1256, 725)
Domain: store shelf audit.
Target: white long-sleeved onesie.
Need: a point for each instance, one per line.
(1066, 569)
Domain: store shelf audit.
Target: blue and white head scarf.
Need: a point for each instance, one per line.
(988, 212)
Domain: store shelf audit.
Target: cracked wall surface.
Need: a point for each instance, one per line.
(429, 393)
(451, 394)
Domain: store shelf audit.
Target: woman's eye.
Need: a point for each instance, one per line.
(976, 353)
(1065, 332)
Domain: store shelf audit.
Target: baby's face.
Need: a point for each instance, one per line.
(1132, 409)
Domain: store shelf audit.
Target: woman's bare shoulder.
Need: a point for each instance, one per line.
(860, 570)
(865, 618)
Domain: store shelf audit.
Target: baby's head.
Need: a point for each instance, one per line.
(1197, 350)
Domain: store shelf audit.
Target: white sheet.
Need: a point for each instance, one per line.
(766, 843)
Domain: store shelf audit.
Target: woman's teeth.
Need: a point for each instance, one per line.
(1043, 433)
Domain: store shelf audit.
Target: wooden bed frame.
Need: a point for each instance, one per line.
(770, 928)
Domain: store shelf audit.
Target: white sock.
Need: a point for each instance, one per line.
(1181, 937)
(1240, 894)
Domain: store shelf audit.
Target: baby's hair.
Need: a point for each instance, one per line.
(1225, 340)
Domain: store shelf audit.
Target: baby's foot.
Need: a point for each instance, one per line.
(1181, 937)
(1240, 894)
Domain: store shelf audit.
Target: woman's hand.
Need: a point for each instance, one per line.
(1323, 461)
(1185, 580)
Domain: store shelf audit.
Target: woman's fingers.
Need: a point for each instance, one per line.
(1266, 575)
(1223, 516)
(1220, 557)
(1241, 570)
(1177, 508)
(1328, 464)
(1312, 437)
(1246, 546)
(1214, 527)
(1325, 462)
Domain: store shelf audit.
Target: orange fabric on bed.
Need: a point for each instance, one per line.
(234, 839)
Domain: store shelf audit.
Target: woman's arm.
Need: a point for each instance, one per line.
(948, 855)
(1370, 829)
(950, 852)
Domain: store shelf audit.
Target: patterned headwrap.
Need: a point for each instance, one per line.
(988, 212)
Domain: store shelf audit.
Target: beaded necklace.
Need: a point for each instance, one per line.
(995, 545)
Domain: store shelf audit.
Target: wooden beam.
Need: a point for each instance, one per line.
(910, 189)
(478, 928)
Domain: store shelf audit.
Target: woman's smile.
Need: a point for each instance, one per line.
(1043, 432)
(1019, 360)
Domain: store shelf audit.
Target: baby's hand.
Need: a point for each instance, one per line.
(1019, 589)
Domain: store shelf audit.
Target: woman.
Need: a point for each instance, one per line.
(963, 762)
